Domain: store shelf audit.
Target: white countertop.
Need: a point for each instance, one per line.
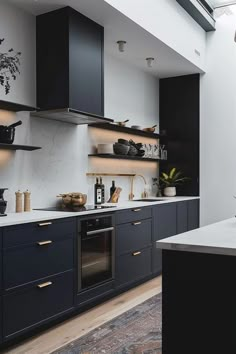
(218, 238)
(38, 215)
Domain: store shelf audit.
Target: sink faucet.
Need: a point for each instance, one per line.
(131, 195)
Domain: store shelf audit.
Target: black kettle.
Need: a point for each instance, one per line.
(7, 133)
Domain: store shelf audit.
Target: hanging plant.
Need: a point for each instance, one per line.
(9, 67)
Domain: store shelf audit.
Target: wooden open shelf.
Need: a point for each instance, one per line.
(18, 147)
(15, 107)
(124, 157)
(127, 130)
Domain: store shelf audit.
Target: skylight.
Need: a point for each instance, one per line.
(218, 3)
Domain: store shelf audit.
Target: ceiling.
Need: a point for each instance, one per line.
(140, 43)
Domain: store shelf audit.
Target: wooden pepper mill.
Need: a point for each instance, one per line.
(19, 200)
(27, 201)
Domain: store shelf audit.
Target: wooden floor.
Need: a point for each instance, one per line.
(78, 326)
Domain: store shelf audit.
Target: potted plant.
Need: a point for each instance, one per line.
(170, 180)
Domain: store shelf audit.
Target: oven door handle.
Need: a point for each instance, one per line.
(99, 231)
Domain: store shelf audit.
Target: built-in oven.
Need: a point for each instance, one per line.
(96, 244)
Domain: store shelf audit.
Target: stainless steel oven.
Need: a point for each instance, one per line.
(96, 251)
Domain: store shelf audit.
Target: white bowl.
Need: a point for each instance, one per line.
(105, 149)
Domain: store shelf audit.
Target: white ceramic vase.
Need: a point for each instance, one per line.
(170, 191)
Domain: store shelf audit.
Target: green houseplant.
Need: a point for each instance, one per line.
(170, 180)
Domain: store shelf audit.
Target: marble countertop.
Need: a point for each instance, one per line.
(39, 215)
(218, 238)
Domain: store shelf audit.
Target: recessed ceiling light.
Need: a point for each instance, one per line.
(150, 62)
(121, 45)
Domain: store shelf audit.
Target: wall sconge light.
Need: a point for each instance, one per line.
(150, 62)
(121, 45)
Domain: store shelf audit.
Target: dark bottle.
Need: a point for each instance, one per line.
(112, 189)
(97, 193)
(103, 190)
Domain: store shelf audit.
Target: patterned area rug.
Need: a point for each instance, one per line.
(137, 331)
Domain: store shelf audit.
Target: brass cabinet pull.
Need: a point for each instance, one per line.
(44, 285)
(43, 243)
(138, 209)
(136, 253)
(45, 224)
(136, 223)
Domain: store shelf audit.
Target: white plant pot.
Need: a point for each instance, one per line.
(170, 191)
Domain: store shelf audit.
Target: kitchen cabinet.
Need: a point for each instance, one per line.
(38, 274)
(164, 225)
(37, 303)
(193, 214)
(133, 246)
(169, 220)
(40, 278)
(182, 217)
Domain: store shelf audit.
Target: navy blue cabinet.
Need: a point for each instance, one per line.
(164, 225)
(169, 220)
(40, 263)
(37, 303)
(38, 274)
(193, 214)
(182, 217)
(133, 246)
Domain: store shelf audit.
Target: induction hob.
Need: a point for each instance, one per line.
(76, 209)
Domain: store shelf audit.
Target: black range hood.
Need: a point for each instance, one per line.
(70, 68)
(72, 116)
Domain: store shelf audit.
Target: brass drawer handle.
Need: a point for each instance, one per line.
(44, 285)
(45, 224)
(136, 253)
(136, 223)
(43, 243)
(136, 210)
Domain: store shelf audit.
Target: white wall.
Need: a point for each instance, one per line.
(130, 93)
(62, 164)
(170, 23)
(18, 29)
(218, 125)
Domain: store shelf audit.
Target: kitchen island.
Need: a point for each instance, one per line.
(199, 290)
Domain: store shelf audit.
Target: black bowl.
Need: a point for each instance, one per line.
(123, 141)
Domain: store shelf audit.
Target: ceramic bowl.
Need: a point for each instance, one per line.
(136, 127)
(132, 151)
(123, 141)
(105, 149)
(121, 149)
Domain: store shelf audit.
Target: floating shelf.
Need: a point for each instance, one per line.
(94, 174)
(15, 107)
(117, 128)
(124, 157)
(18, 147)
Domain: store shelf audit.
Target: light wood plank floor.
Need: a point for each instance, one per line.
(78, 326)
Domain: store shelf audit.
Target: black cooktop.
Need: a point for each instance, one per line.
(76, 209)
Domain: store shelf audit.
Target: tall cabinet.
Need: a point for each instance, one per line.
(179, 119)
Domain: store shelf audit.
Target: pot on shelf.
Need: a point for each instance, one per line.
(170, 191)
(7, 133)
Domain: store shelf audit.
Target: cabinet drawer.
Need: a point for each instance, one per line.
(32, 261)
(39, 231)
(133, 266)
(134, 214)
(42, 300)
(132, 236)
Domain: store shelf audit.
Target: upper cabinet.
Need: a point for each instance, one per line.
(70, 67)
